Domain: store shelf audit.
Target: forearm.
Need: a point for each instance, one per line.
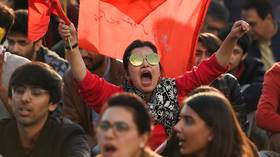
(225, 51)
(76, 63)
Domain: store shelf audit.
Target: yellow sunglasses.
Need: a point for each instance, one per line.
(137, 60)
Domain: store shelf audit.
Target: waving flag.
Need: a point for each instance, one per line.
(39, 12)
(109, 26)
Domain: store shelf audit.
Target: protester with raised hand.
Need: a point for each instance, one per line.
(144, 77)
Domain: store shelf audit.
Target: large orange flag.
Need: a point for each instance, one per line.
(109, 26)
(39, 12)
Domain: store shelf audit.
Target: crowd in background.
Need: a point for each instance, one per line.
(57, 99)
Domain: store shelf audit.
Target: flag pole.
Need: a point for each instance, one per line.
(65, 6)
(65, 10)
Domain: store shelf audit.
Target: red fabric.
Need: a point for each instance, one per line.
(39, 12)
(240, 70)
(96, 90)
(268, 111)
(109, 26)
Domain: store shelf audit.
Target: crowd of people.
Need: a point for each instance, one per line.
(57, 99)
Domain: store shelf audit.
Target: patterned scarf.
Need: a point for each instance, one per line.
(163, 104)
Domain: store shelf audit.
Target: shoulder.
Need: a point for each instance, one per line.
(229, 76)
(274, 71)
(6, 125)
(5, 122)
(275, 67)
(52, 54)
(253, 62)
(65, 126)
(12, 58)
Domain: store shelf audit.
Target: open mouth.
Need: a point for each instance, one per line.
(24, 111)
(146, 78)
(109, 150)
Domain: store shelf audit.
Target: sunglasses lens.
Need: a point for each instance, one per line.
(153, 59)
(136, 60)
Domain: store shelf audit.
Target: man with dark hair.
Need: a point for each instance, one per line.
(249, 71)
(216, 18)
(19, 44)
(265, 31)
(8, 61)
(34, 91)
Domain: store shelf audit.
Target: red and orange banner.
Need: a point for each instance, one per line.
(39, 12)
(109, 26)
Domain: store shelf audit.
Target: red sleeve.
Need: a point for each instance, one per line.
(96, 90)
(268, 115)
(206, 72)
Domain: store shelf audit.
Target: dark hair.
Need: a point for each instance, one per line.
(136, 106)
(244, 42)
(136, 44)
(210, 41)
(7, 17)
(218, 11)
(37, 74)
(229, 139)
(263, 7)
(20, 24)
(204, 88)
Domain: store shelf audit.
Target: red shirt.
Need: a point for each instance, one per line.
(268, 111)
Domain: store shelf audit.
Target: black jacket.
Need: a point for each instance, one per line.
(59, 138)
(251, 80)
(229, 86)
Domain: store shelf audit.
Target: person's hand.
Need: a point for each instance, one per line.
(67, 32)
(238, 29)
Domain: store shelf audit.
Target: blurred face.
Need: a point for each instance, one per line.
(201, 53)
(144, 77)
(30, 105)
(118, 135)
(19, 44)
(92, 60)
(258, 25)
(9, 3)
(214, 26)
(236, 58)
(193, 133)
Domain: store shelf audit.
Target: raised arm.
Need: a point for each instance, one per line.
(224, 53)
(213, 67)
(73, 55)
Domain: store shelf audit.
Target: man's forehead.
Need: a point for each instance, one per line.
(250, 14)
(17, 36)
